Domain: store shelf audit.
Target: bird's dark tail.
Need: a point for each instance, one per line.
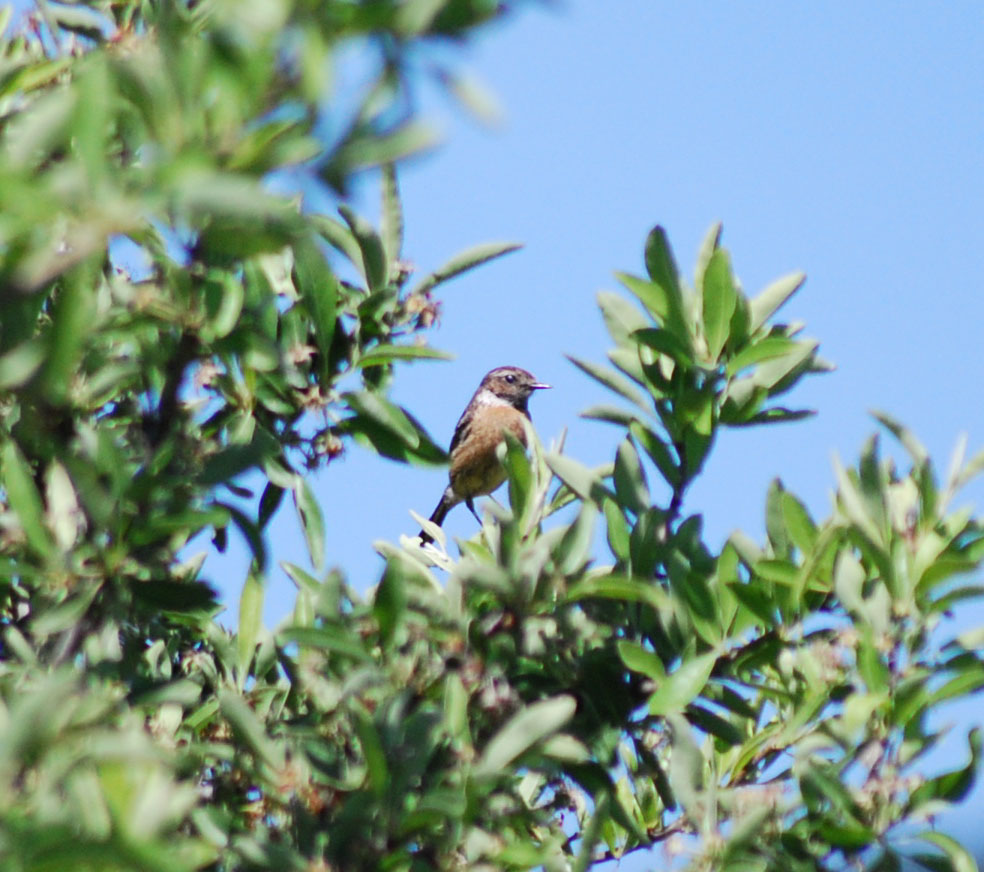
(438, 515)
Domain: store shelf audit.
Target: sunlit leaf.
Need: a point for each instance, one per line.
(682, 686)
(24, 498)
(312, 522)
(250, 623)
(772, 298)
(719, 300)
(522, 731)
(463, 262)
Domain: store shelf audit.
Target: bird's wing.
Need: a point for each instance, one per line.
(461, 429)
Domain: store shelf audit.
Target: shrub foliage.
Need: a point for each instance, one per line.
(170, 322)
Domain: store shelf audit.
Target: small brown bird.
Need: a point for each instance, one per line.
(499, 404)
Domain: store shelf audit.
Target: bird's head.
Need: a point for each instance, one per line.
(511, 384)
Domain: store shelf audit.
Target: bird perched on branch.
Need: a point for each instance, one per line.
(499, 405)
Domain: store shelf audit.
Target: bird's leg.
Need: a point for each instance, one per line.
(471, 508)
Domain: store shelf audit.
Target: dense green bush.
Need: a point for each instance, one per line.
(529, 704)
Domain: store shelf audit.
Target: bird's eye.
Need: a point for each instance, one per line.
(511, 378)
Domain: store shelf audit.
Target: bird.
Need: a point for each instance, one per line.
(500, 404)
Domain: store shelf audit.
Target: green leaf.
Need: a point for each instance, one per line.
(798, 522)
(168, 595)
(232, 461)
(616, 587)
(391, 417)
(390, 429)
(764, 349)
(390, 601)
(585, 482)
(250, 729)
(250, 624)
(664, 306)
(610, 379)
(665, 342)
(686, 768)
(763, 306)
(618, 530)
(374, 265)
(630, 478)
(719, 298)
(365, 152)
(775, 525)
(715, 725)
(854, 505)
(951, 786)
(660, 264)
(391, 222)
(906, 437)
(641, 660)
(380, 355)
(24, 499)
(520, 474)
(456, 708)
(318, 287)
(964, 683)
(779, 415)
(591, 832)
(72, 316)
(574, 551)
(973, 468)
(659, 452)
(474, 97)
(819, 780)
(328, 638)
(960, 858)
(522, 731)
(622, 319)
(67, 613)
(627, 360)
(340, 238)
(269, 503)
(610, 415)
(19, 364)
(373, 753)
(224, 297)
(466, 260)
(245, 524)
(709, 244)
(683, 686)
(416, 16)
(312, 522)
(771, 372)
(31, 139)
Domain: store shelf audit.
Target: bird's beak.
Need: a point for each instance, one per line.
(540, 387)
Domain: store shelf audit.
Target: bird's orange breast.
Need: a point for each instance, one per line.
(475, 468)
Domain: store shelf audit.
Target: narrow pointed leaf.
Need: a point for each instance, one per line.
(250, 623)
(465, 261)
(24, 498)
(683, 686)
(522, 731)
(719, 300)
(370, 247)
(765, 349)
(391, 222)
(610, 379)
(312, 522)
(768, 302)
